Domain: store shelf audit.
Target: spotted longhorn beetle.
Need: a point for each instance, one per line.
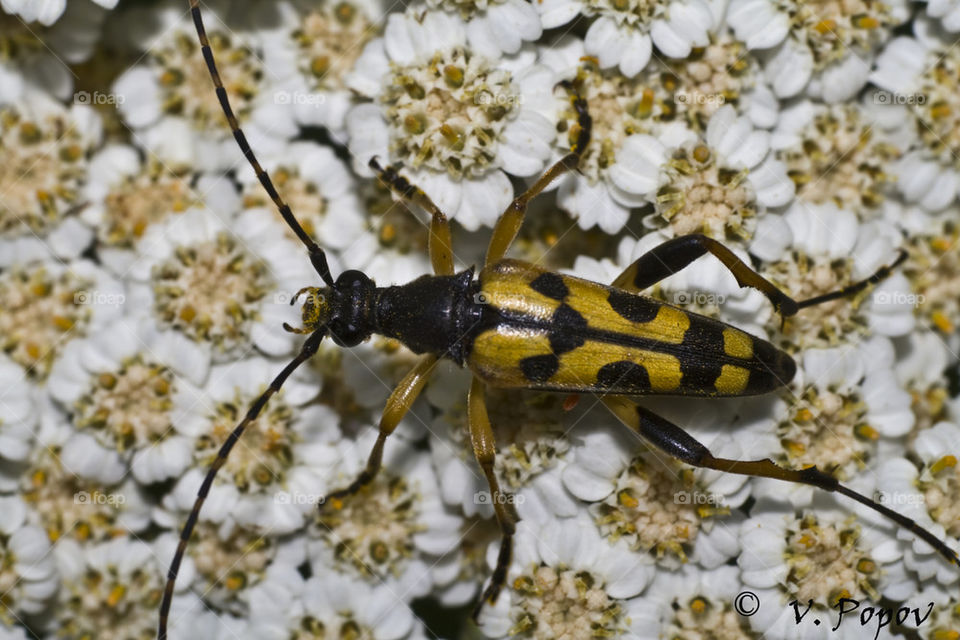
(517, 325)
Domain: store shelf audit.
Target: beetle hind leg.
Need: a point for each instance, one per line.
(679, 444)
(484, 448)
(678, 253)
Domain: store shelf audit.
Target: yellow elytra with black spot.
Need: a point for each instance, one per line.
(542, 330)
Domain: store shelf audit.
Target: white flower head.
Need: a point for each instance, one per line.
(285, 605)
(48, 304)
(455, 120)
(623, 32)
(927, 495)
(28, 574)
(77, 492)
(914, 70)
(933, 273)
(653, 503)
(133, 397)
(279, 469)
(168, 99)
(837, 153)
(221, 280)
(567, 581)
(826, 48)
(310, 54)
(392, 529)
(830, 249)
(531, 432)
(820, 556)
(47, 151)
(127, 193)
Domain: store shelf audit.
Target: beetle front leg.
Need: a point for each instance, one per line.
(398, 404)
(441, 244)
(510, 221)
(677, 443)
(485, 450)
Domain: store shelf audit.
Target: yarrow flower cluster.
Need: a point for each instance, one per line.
(146, 278)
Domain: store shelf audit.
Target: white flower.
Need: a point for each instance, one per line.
(692, 603)
(133, 396)
(75, 494)
(914, 71)
(815, 557)
(127, 193)
(46, 12)
(113, 586)
(221, 280)
(320, 191)
(948, 11)
(825, 48)
(652, 503)
(838, 153)
(456, 131)
(50, 303)
(495, 27)
(310, 54)
(926, 495)
(280, 468)
(46, 149)
(847, 407)
(715, 184)
(623, 33)
(532, 443)
(28, 575)
(566, 581)
(18, 412)
(390, 532)
(831, 249)
(286, 604)
(168, 98)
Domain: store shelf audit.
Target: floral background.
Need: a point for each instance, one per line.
(145, 277)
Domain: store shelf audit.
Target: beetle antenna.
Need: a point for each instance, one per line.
(306, 352)
(317, 257)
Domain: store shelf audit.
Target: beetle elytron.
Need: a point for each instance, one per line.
(519, 325)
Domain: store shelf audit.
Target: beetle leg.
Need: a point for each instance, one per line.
(679, 444)
(484, 448)
(398, 404)
(677, 253)
(510, 221)
(441, 245)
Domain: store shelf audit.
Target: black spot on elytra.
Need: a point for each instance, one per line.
(633, 307)
(550, 285)
(568, 329)
(540, 368)
(624, 374)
